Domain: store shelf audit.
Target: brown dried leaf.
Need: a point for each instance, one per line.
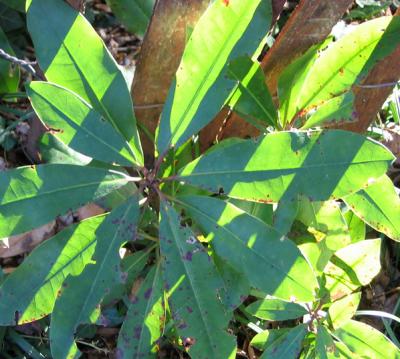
(26, 242)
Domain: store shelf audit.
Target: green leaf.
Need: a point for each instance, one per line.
(9, 74)
(131, 266)
(324, 343)
(267, 338)
(80, 298)
(236, 286)
(34, 195)
(76, 124)
(275, 309)
(357, 227)
(262, 211)
(352, 267)
(379, 206)
(325, 220)
(31, 290)
(288, 346)
(344, 309)
(335, 111)
(72, 55)
(201, 84)
(15, 4)
(252, 99)
(322, 74)
(366, 341)
(144, 320)
(134, 14)
(270, 262)
(284, 165)
(193, 288)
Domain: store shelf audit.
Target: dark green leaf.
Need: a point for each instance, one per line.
(193, 290)
(34, 195)
(81, 295)
(270, 262)
(288, 346)
(268, 337)
(31, 290)
(134, 14)
(284, 165)
(72, 55)
(324, 343)
(275, 309)
(144, 320)
(252, 99)
(201, 84)
(77, 124)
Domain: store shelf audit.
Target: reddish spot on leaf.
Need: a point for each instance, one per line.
(225, 2)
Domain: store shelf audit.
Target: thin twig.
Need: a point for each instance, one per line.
(373, 86)
(27, 65)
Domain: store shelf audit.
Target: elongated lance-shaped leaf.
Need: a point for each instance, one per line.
(270, 262)
(34, 195)
(77, 124)
(144, 320)
(9, 75)
(365, 341)
(29, 293)
(72, 55)
(275, 309)
(202, 85)
(324, 343)
(252, 99)
(284, 165)
(287, 346)
(326, 73)
(193, 290)
(81, 295)
(379, 206)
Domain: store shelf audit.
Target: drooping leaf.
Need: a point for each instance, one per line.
(379, 206)
(353, 266)
(72, 55)
(344, 309)
(323, 74)
(193, 290)
(144, 320)
(275, 309)
(77, 124)
(365, 341)
(270, 262)
(284, 165)
(9, 74)
(80, 298)
(134, 14)
(268, 337)
(252, 99)
(324, 343)
(288, 346)
(201, 85)
(31, 290)
(34, 195)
